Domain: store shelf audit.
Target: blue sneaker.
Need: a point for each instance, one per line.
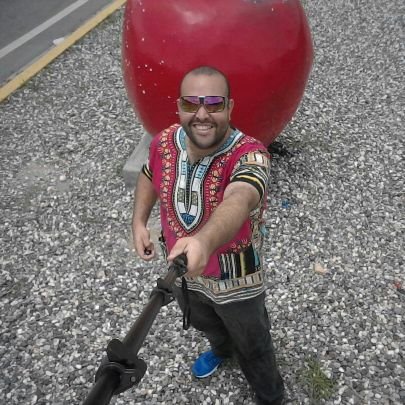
(206, 364)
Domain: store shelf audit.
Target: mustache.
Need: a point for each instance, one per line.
(204, 121)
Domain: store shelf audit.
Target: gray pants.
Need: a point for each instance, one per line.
(241, 329)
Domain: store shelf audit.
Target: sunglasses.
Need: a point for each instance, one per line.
(213, 104)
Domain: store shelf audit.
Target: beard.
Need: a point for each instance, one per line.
(211, 140)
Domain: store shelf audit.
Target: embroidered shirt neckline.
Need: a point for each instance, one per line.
(182, 141)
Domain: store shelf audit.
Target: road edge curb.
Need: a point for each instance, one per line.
(15, 83)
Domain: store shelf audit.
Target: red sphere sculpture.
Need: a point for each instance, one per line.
(263, 46)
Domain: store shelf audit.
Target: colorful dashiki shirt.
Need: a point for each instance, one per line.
(189, 194)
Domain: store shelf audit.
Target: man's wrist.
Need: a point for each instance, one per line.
(205, 241)
(139, 223)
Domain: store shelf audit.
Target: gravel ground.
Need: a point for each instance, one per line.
(69, 280)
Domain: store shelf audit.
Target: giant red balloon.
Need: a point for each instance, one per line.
(263, 46)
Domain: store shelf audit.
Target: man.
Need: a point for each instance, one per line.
(211, 182)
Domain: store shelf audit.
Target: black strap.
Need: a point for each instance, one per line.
(187, 311)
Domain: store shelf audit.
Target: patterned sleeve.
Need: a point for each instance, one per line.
(146, 170)
(149, 165)
(253, 168)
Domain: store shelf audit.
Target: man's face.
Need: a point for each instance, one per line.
(206, 131)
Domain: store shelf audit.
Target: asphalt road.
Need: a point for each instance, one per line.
(28, 29)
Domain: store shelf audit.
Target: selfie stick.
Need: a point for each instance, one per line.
(122, 369)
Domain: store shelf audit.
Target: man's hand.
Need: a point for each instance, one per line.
(142, 243)
(197, 255)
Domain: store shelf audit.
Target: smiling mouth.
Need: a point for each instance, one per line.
(203, 127)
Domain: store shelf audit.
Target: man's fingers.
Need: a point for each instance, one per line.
(144, 246)
(193, 268)
(147, 253)
(176, 251)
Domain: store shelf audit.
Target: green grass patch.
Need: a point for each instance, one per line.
(317, 384)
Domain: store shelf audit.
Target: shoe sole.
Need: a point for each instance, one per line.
(207, 374)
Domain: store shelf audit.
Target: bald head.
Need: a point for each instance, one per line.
(206, 71)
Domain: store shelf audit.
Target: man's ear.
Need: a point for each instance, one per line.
(230, 106)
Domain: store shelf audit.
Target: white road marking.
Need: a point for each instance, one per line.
(42, 27)
(58, 41)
